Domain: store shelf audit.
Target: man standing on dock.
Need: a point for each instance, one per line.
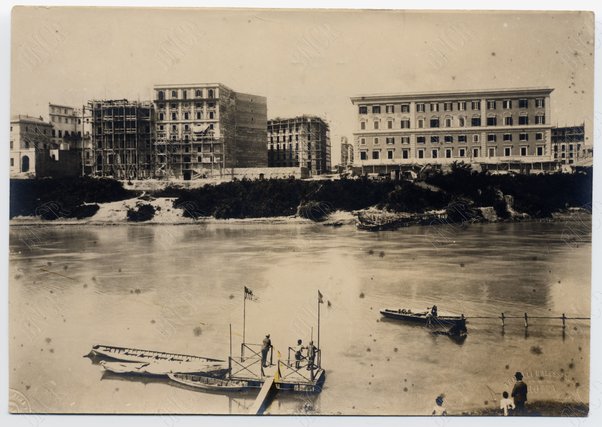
(265, 348)
(519, 394)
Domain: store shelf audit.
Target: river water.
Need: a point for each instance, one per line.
(177, 288)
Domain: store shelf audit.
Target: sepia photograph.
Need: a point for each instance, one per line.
(301, 212)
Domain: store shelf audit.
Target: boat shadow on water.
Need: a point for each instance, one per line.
(433, 330)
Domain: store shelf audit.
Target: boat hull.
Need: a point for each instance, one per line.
(163, 369)
(126, 354)
(423, 319)
(212, 384)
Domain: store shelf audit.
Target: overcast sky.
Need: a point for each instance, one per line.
(303, 62)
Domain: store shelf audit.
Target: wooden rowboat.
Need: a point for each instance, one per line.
(213, 384)
(127, 354)
(423, 318)
(163, 368)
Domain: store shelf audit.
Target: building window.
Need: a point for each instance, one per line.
(420, 123)
(523, 136)
(434, 139)
(362, 125)
(174, 116)
(210, 93)
(405, 108)
(540, 150)
(405, 154)
(434, 153)
(363, 109)
(174, 94)
(507, 104)
(363, 141)
(420, 108)
(523, 103)
(434, 122)
(448, 122)
(405, 124)
(420, 154)
(211, 115)
(390, 124)
(475, 152)
(173, 106)
(375, 155)
(507, 137)
(161, 116)
(363, 155)
(461, 152)
(448, 139)
(491, 105)
(421, 139)
(25, 164)
(11, 144)
(405, 139)
(491, 151)
(447, 106)
(390, 108)
(523, 120)
(539, 136)
(376, 109)
(161, 95)
(492, 121)
(475, 137)
(375, 124)
(539, 103)
(461, 138)
(523, 151)
(475, 121)
(375, 141)
(492, 137)
(507, 151)
(198, 93)
(390, 140)
(540, 119)
(448, 153)
(462, 105)
(199, 115)
(60, 133)
(475, 105)
(508, 121)
(434, 107)
(390, 154)
(186, 116)
(184, 94)
(462, 122)
(12, 162)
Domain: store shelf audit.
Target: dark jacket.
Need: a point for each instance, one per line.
(519, 392)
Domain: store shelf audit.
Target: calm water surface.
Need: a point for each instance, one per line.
(177, 288)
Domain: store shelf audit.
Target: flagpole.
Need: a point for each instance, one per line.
(318, 320)
(244, 322)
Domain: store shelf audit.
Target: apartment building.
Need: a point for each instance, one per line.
(484, 126)
(28, 137)
(122, 137)
(302, 141)
(72, 130)
(207, 129)
(346, 152)
(568, 144)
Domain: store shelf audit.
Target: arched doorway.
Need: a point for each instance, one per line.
(25, 164)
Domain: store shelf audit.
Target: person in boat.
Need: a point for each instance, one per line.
(299, 353)
(311, 356)
(265, 348)
(434, 311)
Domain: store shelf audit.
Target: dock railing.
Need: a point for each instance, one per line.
(503, 317)
(292, 364)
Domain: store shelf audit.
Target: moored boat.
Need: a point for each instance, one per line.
(163, 368)
(213, 384)
(127, 354)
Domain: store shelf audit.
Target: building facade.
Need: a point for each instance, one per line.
(568, 144)
(302, 141)
(207, 130)
(29, 136)
(72, 130)
(346, 152)
(487, 127)
(122, 138)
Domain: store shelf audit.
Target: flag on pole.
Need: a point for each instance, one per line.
(320, 297)
(249, 294)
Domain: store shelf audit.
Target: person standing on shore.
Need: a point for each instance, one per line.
(519, 393)
(439, 409)
(506, 404)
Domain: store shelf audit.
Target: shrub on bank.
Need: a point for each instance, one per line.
(141, 213)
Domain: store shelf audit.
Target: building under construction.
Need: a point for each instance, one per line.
(207, 130)
(302, 141)
(122, 137)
